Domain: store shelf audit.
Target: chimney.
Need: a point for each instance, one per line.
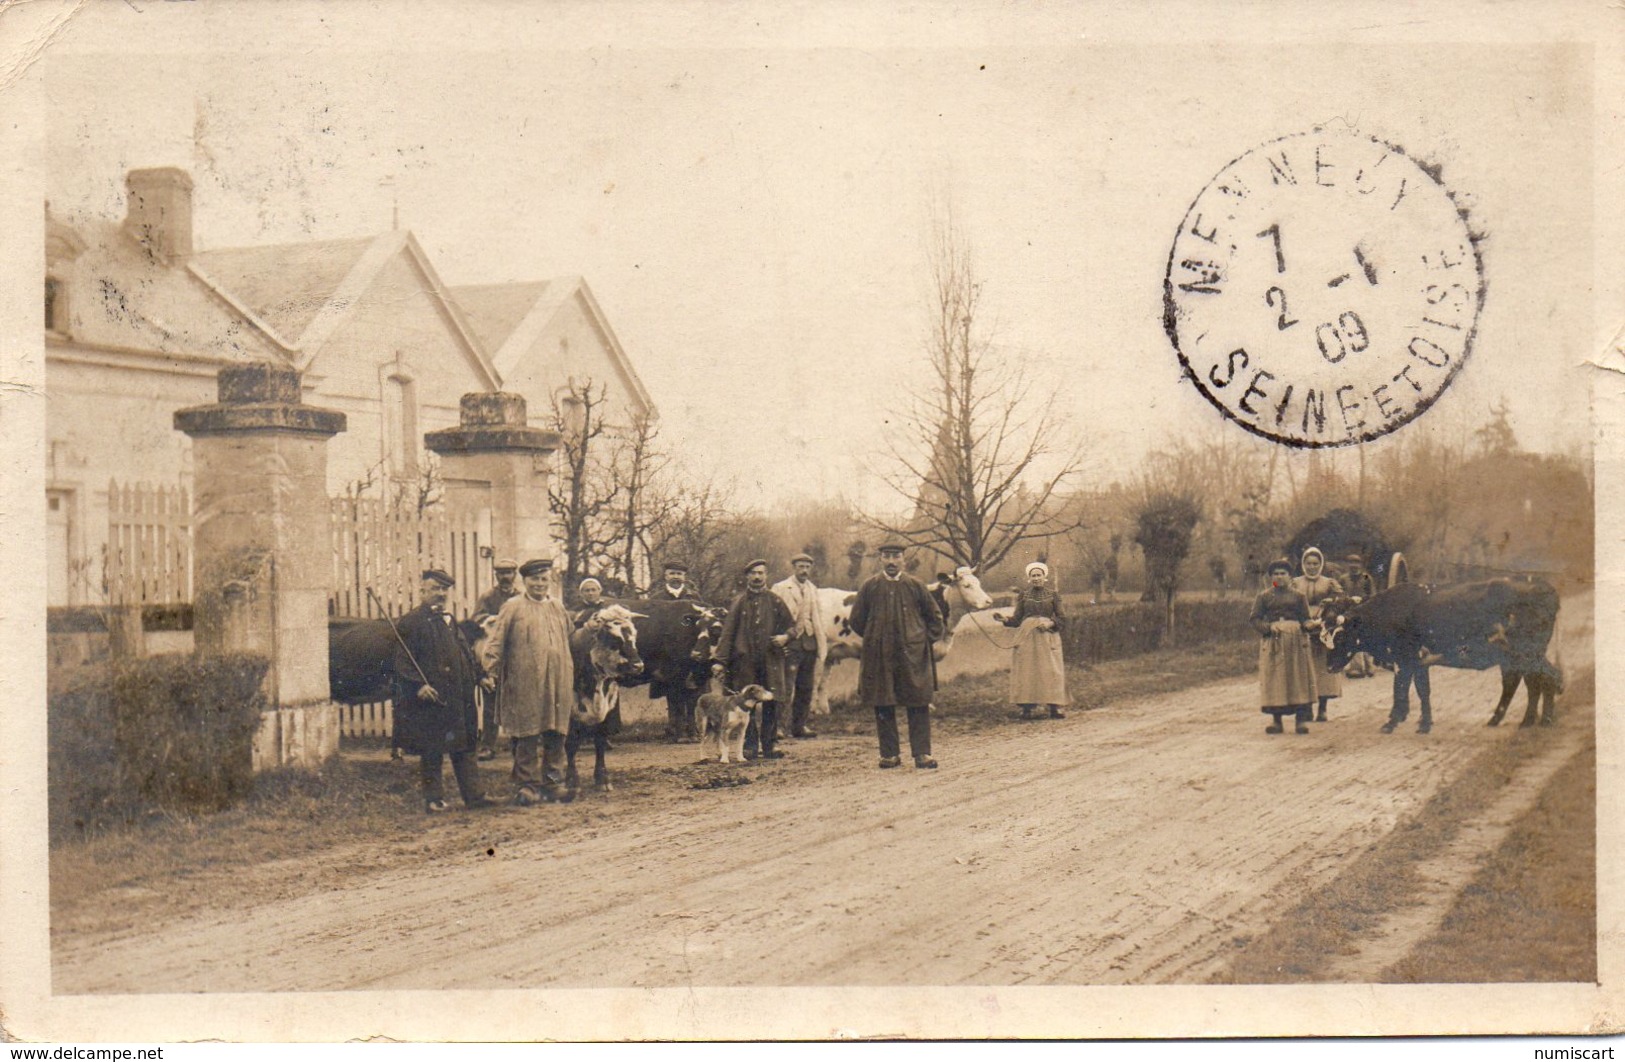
(160, 212)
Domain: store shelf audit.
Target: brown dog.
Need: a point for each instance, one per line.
(724, 716)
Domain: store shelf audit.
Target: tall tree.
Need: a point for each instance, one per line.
(640, 505)
(1163, 529)
(583, 494)
(979, 455)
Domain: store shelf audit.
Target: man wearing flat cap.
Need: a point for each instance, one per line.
(528, 653)
(434, 677)
(751, 647)
(808, 641)
(674, 585)
(898, 621)
(489, 604)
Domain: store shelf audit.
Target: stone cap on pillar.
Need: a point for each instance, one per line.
(259, 396)
(492, 421)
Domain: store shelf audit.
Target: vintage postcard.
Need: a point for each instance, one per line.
(720, 521)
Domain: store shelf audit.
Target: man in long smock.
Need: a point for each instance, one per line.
(528, 654)
(752, 649)
(898, 620)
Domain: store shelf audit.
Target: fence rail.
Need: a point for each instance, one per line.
(149, 545)
(385, 550)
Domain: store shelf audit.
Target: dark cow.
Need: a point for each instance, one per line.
(1505, 623)
(359, 653)
(604, 651)
(675, 640)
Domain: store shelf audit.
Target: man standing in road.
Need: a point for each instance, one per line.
(808, 641)
(898, 621)
(489, 604)
(435, 674)
(528, 655)
(680, 699)
(752, 649)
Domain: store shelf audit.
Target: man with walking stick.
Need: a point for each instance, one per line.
(435, 715)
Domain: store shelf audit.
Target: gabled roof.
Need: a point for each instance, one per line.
(304, 291)
(510, 318)
(285, 285)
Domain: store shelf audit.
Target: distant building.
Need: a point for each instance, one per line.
(137, 321)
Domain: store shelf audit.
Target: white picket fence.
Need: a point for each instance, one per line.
(148, 560)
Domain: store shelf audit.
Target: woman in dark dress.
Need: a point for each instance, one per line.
(1286, 678)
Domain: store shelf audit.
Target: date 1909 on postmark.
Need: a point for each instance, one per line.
(1323, 289)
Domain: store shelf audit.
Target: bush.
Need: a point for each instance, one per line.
(1115, 632)
(170, 733)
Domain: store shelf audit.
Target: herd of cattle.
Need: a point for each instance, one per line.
(668, 645)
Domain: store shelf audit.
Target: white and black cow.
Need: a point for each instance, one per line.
(1505, 623)
(604, 650)
(956, 594)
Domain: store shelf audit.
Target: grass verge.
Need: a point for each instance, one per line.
(1300, 945)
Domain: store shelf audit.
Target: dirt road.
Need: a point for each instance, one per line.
(1130, 845)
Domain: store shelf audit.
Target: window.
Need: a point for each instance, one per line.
(56, 317)
(400, 428)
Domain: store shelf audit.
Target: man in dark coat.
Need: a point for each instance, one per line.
(489, 604)
(898, 620)
(675, 585)
(680, 696)
(435, 674)
(752, 649)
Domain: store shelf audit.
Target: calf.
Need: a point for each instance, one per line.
(605, 653)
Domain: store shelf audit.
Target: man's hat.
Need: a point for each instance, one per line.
(536, 566)
(754, 563)
(891, 547)
(800, 558)
(1354, 558)
(1280, 564)
(439, 576)
(674, 566)
(505, 565)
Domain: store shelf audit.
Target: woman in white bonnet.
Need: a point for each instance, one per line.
(1316, 587)
(1037, 672)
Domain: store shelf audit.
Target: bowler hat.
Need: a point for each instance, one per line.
(439, 576)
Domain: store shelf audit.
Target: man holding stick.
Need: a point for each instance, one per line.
(435, 716)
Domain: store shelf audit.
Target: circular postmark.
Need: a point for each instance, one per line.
(1323, 289)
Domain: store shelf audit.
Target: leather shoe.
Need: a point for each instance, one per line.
(479, 802)
(924, 762)
(805, 734)
(774, 755)
(890, 761)
(487, 754)
(434, 807)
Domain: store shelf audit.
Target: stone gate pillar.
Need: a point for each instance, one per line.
(262, 555)
(495, 458)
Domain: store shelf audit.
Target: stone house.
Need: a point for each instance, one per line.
(138, 320)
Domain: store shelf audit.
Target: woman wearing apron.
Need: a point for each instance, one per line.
(1316, 587)
(1037, 674)
(1286, 677)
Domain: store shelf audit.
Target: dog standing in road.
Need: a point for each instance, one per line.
(723, 716)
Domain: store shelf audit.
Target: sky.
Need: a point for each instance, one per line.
(751, 206)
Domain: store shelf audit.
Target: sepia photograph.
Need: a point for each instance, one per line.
(715, 521)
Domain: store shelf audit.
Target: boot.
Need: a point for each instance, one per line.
(1027, 711)
(1056, 712)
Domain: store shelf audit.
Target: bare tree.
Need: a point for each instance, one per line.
(641, 506)
(979, 456)
(696, 529)
(584, 493)
(1163, 529)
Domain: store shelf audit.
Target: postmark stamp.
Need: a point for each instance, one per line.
(1323, 289)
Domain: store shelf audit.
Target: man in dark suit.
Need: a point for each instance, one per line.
(675, 585)
(898, 621)
(435, 716)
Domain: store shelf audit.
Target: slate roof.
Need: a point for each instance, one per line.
(286, 285)
(493, 311)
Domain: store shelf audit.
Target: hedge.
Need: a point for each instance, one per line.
(1114, 632)
(171, 733)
